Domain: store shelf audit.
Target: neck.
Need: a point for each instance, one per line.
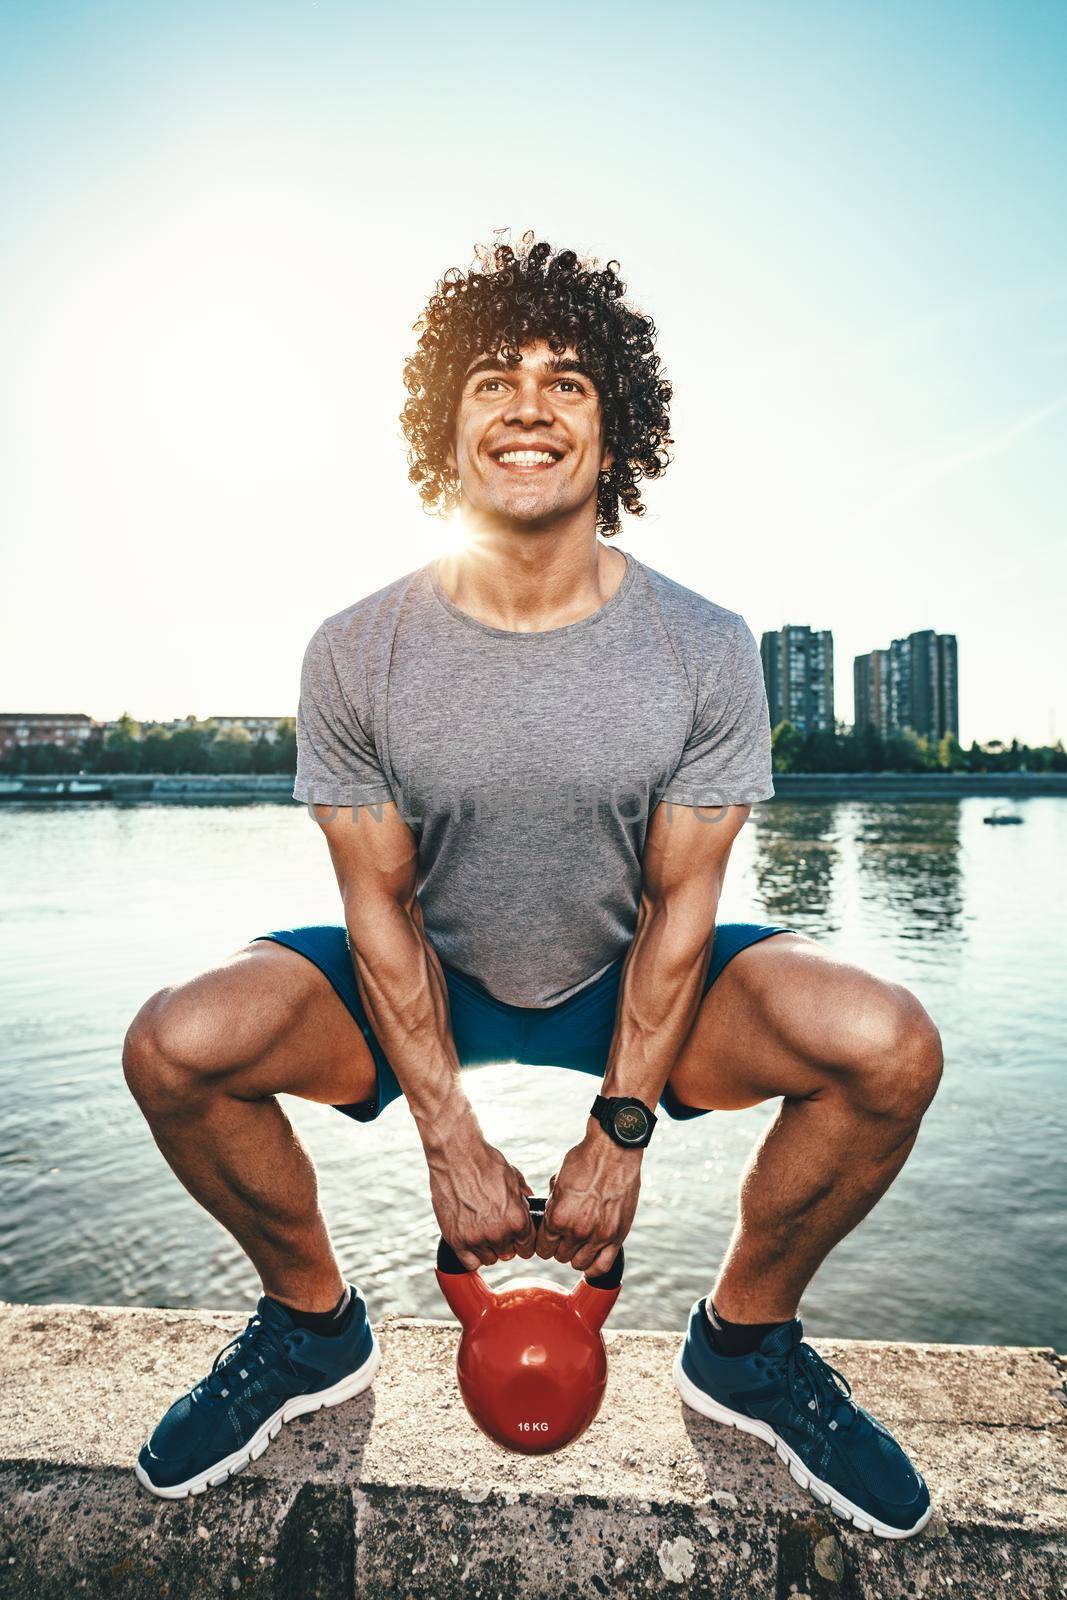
(531, 581)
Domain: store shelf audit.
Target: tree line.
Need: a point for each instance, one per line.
(846, 749)
(194, 747)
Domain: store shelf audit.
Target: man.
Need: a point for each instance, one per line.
(529, 761)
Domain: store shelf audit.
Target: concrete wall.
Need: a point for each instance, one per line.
(203, 788)
(397, 1495)
(916, 785)
(142, 786)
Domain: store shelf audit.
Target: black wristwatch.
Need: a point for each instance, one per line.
(629, 1122)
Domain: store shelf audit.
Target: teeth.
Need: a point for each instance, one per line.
(527, 457)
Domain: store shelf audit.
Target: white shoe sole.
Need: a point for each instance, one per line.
(300, 1405)
(824, 1493)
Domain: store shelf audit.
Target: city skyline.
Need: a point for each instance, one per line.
(896, 687)
(911, 685)
(66, 730)
(220, 226)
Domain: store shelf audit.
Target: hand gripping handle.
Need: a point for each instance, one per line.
(448, 1261)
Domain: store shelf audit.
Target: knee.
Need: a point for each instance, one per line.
(164, 1054)
(898, 1058)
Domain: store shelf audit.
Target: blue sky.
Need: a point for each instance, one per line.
(220, 222)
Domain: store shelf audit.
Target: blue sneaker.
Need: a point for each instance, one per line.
(271, 1373)
(787, 1394)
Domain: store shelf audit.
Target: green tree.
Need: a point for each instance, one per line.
(818, 751)
(189, 747)
(46, 760)
(847, 749)
(262, 754)
(92, 750)
(927, 753)
(786, 744)
(122, 747)
(231, 751)
(949, 754)
(157, 752)
(903, 752)
(868, 749)
(284, 747)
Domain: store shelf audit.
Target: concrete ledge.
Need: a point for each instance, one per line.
(134, 788)
(229, 788)
(916, 785)
(397, 1494)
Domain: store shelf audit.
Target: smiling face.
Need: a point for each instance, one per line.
(528, 439)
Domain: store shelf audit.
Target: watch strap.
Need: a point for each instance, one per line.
(604, 1109)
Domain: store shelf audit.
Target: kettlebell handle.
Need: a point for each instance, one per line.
(449, 1262)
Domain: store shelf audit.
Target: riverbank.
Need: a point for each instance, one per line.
(151, 788)
(917, 785)
(396, 1494)
(237, 789)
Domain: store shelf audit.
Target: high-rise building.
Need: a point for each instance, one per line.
(798, 669)
(913, 684)
(870, 679)
(948, 685)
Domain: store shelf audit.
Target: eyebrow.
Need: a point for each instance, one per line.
(559, 365)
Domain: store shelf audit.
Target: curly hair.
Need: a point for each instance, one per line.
(508, 299)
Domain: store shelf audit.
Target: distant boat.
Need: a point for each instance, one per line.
(1001, 818)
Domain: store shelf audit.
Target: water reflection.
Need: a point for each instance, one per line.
(908, 864)
(796, 865)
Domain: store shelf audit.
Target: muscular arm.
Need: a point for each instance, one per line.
(476, 1193)
(398, 973)
(684, 864)
(594, 1195)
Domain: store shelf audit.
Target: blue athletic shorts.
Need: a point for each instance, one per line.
(576, 1033)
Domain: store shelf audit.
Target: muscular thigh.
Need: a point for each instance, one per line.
(779, 1020)
(268, 1022)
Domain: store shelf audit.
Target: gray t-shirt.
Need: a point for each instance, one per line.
(528, 764)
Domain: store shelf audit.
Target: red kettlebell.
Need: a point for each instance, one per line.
(531, 1363)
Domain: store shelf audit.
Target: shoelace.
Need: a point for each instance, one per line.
(247, 1348)
(817, 1386)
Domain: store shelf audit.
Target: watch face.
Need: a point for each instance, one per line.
(631, 1124)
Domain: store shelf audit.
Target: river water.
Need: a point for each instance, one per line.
(102, 905)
